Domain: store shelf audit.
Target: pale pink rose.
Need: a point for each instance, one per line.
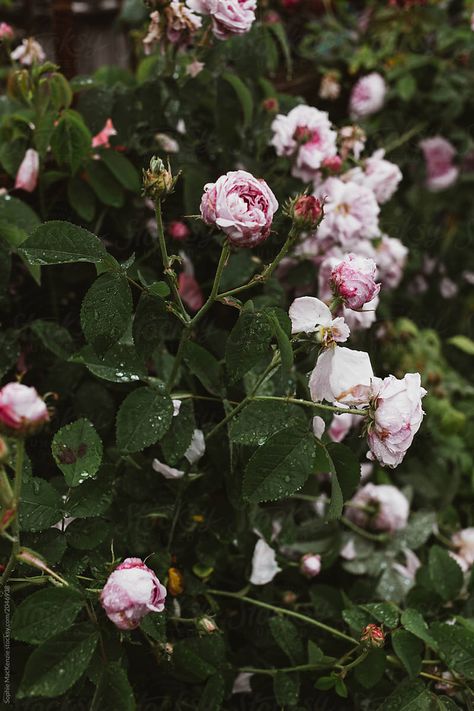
(448, 288)
(167, 143)
(194, 68)
(28, 52)
(350, 212)
(241, 206)
(27, 175)
(368, 96)
(341, 375)
(378, 174)
(341, 425)
(397, 416)
(353, 280)
(178, 230)
(464, 542)
(439, 154)
(102, 139)
(390, 257)
(310, 565)
(264, 565)
(390, 508)
(130, 593)
(6, 31)
(181, 22)
(306, 135)
(364, 318)
(21, 408)
(310, 315)
(229, 17)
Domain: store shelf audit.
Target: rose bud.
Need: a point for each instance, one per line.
(241, 206)
(372, 637)
(271, 104)
(158, 181)
(306, 212)
(207, 625)
(178, 230)
(332, 164)
(22, 411)
(353, 281)
(130, 593)
(27, 175)
(310, 565)
(6, 32)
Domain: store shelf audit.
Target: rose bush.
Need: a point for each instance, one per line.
(236, 463)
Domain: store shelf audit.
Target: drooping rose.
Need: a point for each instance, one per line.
(306, 135)
(130, 593)
(350, 212)
(396, 417)
(21, 408)
(440, 169)
(341, 375)
(102, 139)
(27, 175)
(229, 17)
(310, 315)
(378, 174)
(379, 507)
(310, 565)
(368, 96)
(241, 206)
(353, 280)
(28, 52)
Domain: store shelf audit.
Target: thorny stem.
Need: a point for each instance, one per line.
(20, 456)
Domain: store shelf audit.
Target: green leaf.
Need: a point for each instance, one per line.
(413, 621)
(464, 343)
(408, 696)
(345, 477)
(315, 653)
(119, 365)
(107, 189)
(204, 366)
(71, 140)
(58, 663)
(243, 94)
(87, 533)
(15, 212)
(122, 169)
(288, 638)
(45, 613)
(284, 346)
(455, 647)
(92, 498)
(261, 419)
(178, 438)
(247, 343)
(199, 658)
(384, 612)
(406, 87)
(278, 30)
(213, 694)
(114, 692)
(54, 337)
(150, 324)
(77, 450)
(280, 466)
(60, 242)
(106, 311)
(286, 688)
(446, 575)
(81, 198)
(409, 649)
(43, 132)
(143, 419)
(369, 672)
(40, 506)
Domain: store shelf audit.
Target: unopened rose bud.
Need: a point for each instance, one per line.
(271, 104)
(372, 637)
(333, 164)
(22, 411)
(306, 212)
(158, 181)
(207, 625)
(310, 565)
(175, 581)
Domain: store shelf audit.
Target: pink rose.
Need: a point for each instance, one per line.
(28, 52)
(381, 508)
(390, 257)
(378, 174)
(353, 280)
(397, 416)
(181, 22)
(439, 154)
(6, 31)
(101, 140)
(368, 96)
(341, 375)
(130, 593)
(310, 565)
(350, 212)
(21, 408)
(311, 315)
(178, 230)
(241, 206)
(307, 136)
(27, 175)
(229, 17)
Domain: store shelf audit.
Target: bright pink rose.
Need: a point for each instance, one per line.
(101, 140)
(241, 206)
(27, 175)
(353, 280)
(350, 212)
(439, 154)
(379, 175)
(390, 508)
(397, 416)
(21, 408)
(6, 31)
(368, 96)
(390, 258)
(130, 593)
(229, 17)
(310, 565)
(178, 230)
(306, 135)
